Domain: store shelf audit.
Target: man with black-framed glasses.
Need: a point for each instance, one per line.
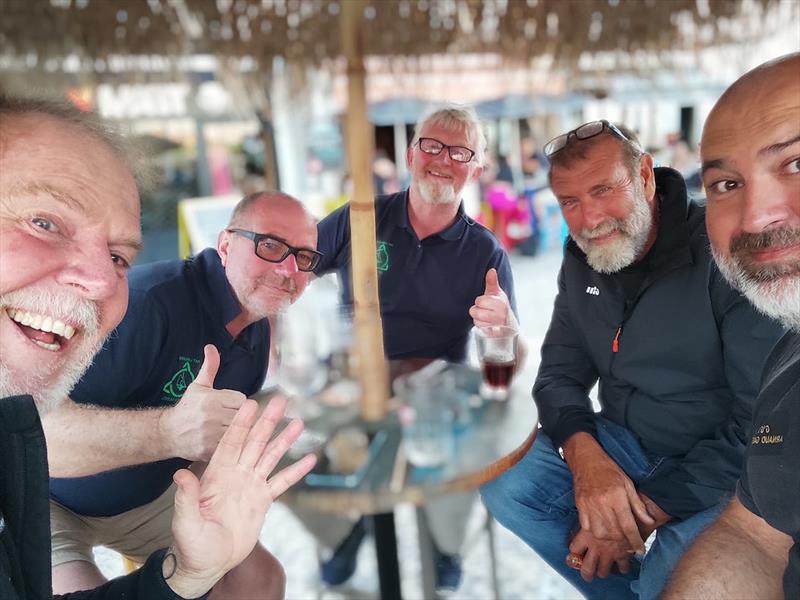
(643, 313)
(145, 407)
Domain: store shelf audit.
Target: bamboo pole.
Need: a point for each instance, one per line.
(372, 370)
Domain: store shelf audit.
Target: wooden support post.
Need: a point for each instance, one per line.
(372, 369)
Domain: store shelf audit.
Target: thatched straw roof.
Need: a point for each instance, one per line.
(309, 30)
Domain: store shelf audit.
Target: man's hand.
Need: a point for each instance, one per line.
(218, 519)
(606, 499)
(493, 307)
(597, 557)
(194, 426)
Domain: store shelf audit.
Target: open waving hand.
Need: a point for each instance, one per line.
(219, 517)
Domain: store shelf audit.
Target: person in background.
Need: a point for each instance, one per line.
(439, 274)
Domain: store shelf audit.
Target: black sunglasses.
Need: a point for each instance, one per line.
(584, 132)
(275, 250)
(433, 146)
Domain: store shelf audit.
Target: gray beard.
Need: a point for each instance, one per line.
(437, 193)
(37, 381)
(615, 256)
(776, 297)
(46, 397)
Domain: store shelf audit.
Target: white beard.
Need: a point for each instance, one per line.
(778, 297)
(616, 255)
(48, 393)
(435, 192)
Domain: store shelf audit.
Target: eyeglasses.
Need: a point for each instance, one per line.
(584, 132)
(274, 250)
(457, 153)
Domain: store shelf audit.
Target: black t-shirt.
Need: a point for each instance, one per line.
(770, 483)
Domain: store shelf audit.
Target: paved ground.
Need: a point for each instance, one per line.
(523, 576)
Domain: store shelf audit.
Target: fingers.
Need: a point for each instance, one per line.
(639, 507)
(231, 399)
(287, 477)
(208, 371)
(277, 448)
(589, 565)
(230, 446)
(579, 544)
(623, 564)
(187, 496)
(629, 529)
(492, 284)
(259, 435)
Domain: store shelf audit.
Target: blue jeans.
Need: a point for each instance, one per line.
(535, 500)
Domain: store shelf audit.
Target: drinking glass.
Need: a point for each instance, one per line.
(427, 417)
(497, 352)
(302, 372)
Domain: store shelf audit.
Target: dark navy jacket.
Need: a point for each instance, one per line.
(175, 309)
(25, 520)
(685, 377)
(426, 287)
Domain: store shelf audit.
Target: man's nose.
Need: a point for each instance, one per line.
(769, 204)
(91, 272)
(288, 266)
(592, 214)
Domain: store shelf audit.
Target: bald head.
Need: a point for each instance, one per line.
(268, 201)
(750, 154)
(274, 223)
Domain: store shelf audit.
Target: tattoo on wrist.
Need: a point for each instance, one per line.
(169, 570)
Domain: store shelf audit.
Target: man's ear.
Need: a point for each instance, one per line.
(223, 242)
(476, 174)
(648, 176)
(409, 156)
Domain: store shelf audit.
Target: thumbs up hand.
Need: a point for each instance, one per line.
(492, 307)
(194, 426)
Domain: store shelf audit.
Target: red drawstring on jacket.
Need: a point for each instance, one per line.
(615, 343)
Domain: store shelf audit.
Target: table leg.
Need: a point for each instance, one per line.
(386, 550)
(426, 555)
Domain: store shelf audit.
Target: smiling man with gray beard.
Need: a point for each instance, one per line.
(751, 172)
(676, 353)
(69, 231)
(140, 412)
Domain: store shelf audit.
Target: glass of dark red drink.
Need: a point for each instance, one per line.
(497, 351)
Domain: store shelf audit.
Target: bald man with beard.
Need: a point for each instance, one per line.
(751, 171)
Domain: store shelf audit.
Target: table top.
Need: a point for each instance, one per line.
(489, 437)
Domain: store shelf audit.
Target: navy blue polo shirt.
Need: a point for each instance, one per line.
(175, 309)
(426, 287)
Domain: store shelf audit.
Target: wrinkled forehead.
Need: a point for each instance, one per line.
(42, 157)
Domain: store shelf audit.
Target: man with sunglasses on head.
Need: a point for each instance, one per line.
(676, 352)
(439, 274)
(157, 398)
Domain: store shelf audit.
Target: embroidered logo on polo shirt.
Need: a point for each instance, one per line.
(184, 376)
(769, 435)
(382, 253)
(593, 290)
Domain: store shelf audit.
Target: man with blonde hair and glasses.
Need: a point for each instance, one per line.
(151, 402)
(642, 312)
(439, 274)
